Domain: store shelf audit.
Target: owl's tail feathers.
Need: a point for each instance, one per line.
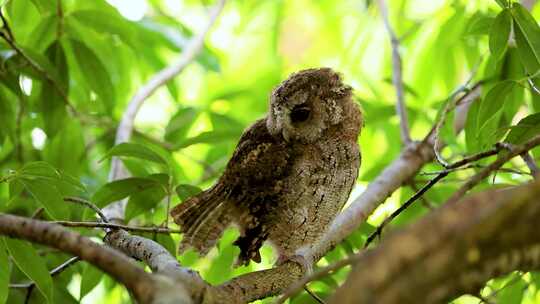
(202, 219)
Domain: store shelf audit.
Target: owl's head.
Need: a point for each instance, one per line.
(308, 103)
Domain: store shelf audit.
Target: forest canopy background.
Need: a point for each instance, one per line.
(69, 69)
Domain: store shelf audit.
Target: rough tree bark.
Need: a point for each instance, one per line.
(452, 251)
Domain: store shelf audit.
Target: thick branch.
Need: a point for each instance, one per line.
(140, 283)
(158, 259)
(452, 251)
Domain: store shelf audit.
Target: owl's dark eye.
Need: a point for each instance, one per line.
(300, 113)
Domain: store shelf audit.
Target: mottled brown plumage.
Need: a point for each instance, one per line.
(290, 174)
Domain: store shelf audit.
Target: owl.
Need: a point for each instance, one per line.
(290, 173)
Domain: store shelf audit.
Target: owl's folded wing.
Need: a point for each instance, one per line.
(248, 188)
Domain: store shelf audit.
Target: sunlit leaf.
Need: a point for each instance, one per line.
(494, 102)
(500, 33)
(503, 3)
(53, 107)
(186, 191)
(512, 292)
(143, 201)
(48, 196)
(526, 129)
(104, 21)
(44, 6)
(179, 124)
(29, 262)
(95, 73)
(120, 189)
(90, 278)
(39, 169)
(209, 137)
(135, 150)
(65, 150)
(167, 241)
(527, 34)
(480, 25)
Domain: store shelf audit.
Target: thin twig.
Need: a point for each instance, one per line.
(56, 271)
(531, 164)
(513, 152)
(314, 295)
(88, 204)
(449, 106)
(450, 168)
(411, 200)
(125, 129)
(116, 226)
(397, 76)
(37, 213)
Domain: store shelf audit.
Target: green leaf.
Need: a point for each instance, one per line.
(527, 34)
(95, 74)
(135, 150)
(209, 137)
(7, 113)
(512, 292)
(42, 63)
(471, 127)
(48, 196)
(66, 149)
(494, 101)
(45, 6)
(120, 189)
(186, 191)
(15, 188)
(502, 3)
(526, 129)
(39, 169)
(106, 22)
(44, 33)
(4, 274)
(480, 25)
(500, 33)
(90, 278)
(167, 241)
(179, 124)
(53, 106)
(29, 262)
(143, 201)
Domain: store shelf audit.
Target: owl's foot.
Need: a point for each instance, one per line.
(305, 262)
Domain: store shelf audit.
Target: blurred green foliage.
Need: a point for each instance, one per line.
(71, 67)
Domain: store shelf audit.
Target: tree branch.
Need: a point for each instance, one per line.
(160, 262)
(473, 181)
(117, 226)
(140, 283)
(397, 76)
(452, 251)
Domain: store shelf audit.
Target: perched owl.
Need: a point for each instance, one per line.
(290, 174)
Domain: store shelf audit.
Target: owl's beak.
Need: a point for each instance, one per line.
(286, 136)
